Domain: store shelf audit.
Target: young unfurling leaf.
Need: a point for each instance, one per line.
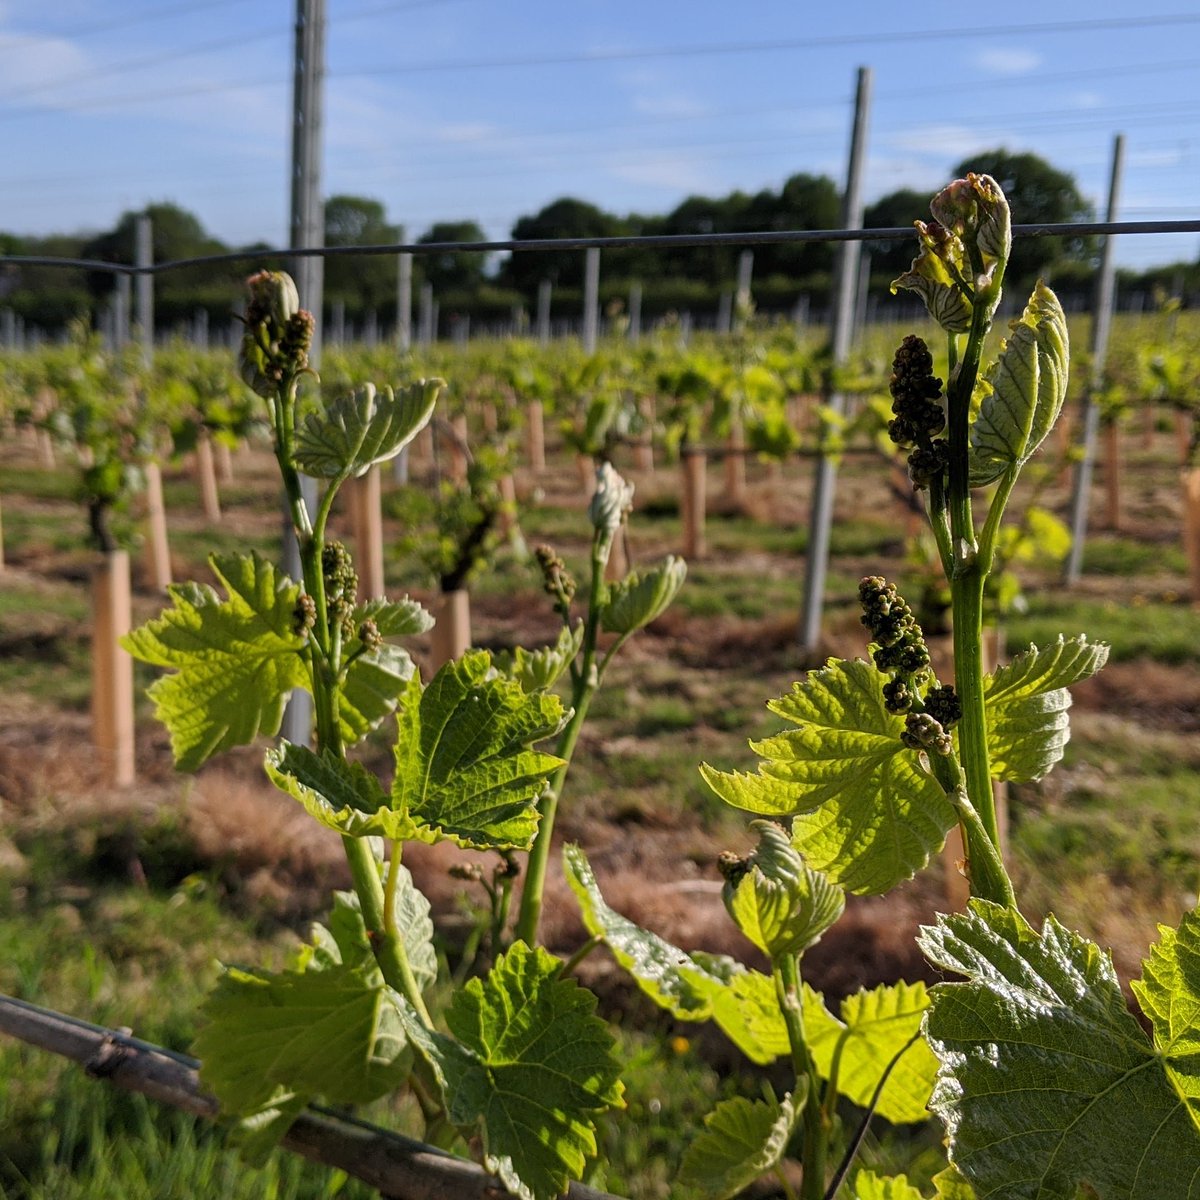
(638, 599)
(1027, 702)
(364, 428)
(1026, 388)
(778, 902)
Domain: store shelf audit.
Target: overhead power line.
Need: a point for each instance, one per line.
(774, 45)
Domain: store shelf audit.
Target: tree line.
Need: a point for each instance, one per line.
(673, 278)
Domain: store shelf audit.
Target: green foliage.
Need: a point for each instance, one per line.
(355, 432)
(781, 905)
(1047, 1081)
(1027, 703)
(464, 767)
(878, 1031)
(233, 661)
(848, 778)
(1024, 391)
(693, 987)
(532, 1067)
(640, 598)
(742, 1139)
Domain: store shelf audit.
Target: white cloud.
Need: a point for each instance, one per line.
(669, 104)
(28, 63)
(466, 131)
(1086, 100)
(997, 60)
(671, 172)
(942, 144)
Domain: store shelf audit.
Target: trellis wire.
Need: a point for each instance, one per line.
(771, 237)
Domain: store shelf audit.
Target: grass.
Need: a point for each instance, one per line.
(1161, 629)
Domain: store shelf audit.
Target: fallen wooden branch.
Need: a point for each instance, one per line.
(397, 1166)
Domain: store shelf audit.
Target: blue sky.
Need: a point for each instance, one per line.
(448, 109)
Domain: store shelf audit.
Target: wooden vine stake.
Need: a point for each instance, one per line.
(451, 635)
(367, 521)
(158, 554)
(206, 477)
(735, 465)
(693, 462)
(535, 435)
(1112, 476)
(457, 456)
(112, 668)
(643, 448)
(1190, 479)
(224, 457)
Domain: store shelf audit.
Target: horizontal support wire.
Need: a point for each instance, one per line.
(663, 241)
(393, 1164)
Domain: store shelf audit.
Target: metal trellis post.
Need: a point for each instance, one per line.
(825, 474)
(1101, 324)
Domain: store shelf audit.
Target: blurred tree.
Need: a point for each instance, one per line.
(362, 283)
(453, 271)
(175, 234)
(897, 209)
(564, 218)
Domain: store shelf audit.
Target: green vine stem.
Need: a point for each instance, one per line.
(386, 943)
(816, 1127)
(585, 683)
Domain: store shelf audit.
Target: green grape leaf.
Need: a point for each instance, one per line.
(867, 813)
(1028, 383)
(778, 902)
(464, 767)
(414, 927)
(371, 690)
(638, 599)
(742, 1139)
(394, 618)
(875, 1027)
(1169, 994)
(869, 1186)
(529, 1064)
(1027, 702)
(363, 428)
(1046, 1080)
(692, 987)
(341, 795)
(233, 662)
(950, 1184)
(537, 670)
(259, 1132)
(334, 1033)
